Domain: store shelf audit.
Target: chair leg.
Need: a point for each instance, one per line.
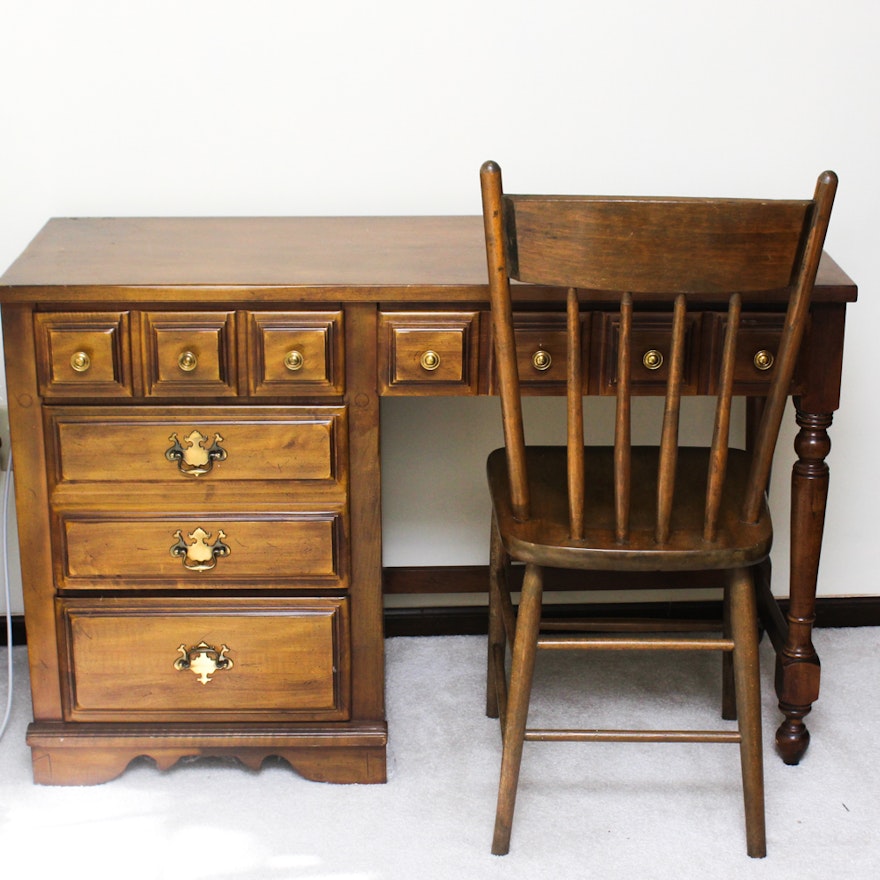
(744, 627)
(728, 685)
(525, 646)
(497, 638)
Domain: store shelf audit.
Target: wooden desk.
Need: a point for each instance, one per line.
(194, 411)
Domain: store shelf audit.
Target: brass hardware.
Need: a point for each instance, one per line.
(541, 360)
(199, 555)
(203, 660)
(80, 361)
(653, 359)
(429, 360)
(194, 460)
(764, 359)
(294, 361)
(187, 361)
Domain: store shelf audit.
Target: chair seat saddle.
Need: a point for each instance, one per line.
(544, 538)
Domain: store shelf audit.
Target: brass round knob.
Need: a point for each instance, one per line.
(541, 360)
(294, 361)
(763, 359)
(187, 361)
(80, 361)
(429, 360)
(652, 359)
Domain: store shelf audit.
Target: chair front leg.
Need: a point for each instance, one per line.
(746, 670)
(525, 645)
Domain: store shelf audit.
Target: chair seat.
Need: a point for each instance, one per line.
(545, 540)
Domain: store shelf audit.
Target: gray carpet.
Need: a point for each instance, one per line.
(586, 811)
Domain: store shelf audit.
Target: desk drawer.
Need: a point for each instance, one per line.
(650, 347)
(295, 353)
(429, 352)
(201, 551)
(757, 349)
(178, 660)
(167, 450)
(189, 354)
(83, 354)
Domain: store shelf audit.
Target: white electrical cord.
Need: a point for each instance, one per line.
(4, 527)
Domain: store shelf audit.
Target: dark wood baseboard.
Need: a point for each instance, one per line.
(471, 620)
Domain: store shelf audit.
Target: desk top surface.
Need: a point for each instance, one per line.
(403, 258)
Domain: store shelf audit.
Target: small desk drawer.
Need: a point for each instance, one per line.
(176, 660)
(189, 354)
(83, 354)
(202, 551)
(429, 352)
(296, 353)
(182, 447)
(757, 348)
(650, 347)
(541, 350)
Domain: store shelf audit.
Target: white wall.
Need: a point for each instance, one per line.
(223, 107)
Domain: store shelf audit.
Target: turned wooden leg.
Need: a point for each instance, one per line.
(525, 647)
(797, 665)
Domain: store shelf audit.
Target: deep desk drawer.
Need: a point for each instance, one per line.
(128, 551)
(180, 660)
(184, 446)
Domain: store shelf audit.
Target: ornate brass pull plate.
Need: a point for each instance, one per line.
(194, 459)
(203, 660)
(199, 555)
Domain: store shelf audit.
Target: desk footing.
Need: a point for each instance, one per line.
(80, 754)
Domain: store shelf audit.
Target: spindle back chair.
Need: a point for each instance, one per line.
(619, 507)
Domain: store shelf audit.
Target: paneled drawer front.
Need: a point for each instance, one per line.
(541, 349)
(757, 348)
(188, 446)
(202, 551)
(435, 352)
(177, 660)
(189, 354)
(83, 354)
(296, 353)
(650, 348)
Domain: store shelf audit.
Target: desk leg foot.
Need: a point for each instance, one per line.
(792, 737)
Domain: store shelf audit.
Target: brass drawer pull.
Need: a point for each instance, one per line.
(653, 359)
(80, 361)
(541, 360)
(763, 359)
(187, 361)
(193, 459)
(203, 660)
(429, 360)
(294, 361)
(199, 555)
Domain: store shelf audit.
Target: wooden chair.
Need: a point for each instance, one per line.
(659, 508)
